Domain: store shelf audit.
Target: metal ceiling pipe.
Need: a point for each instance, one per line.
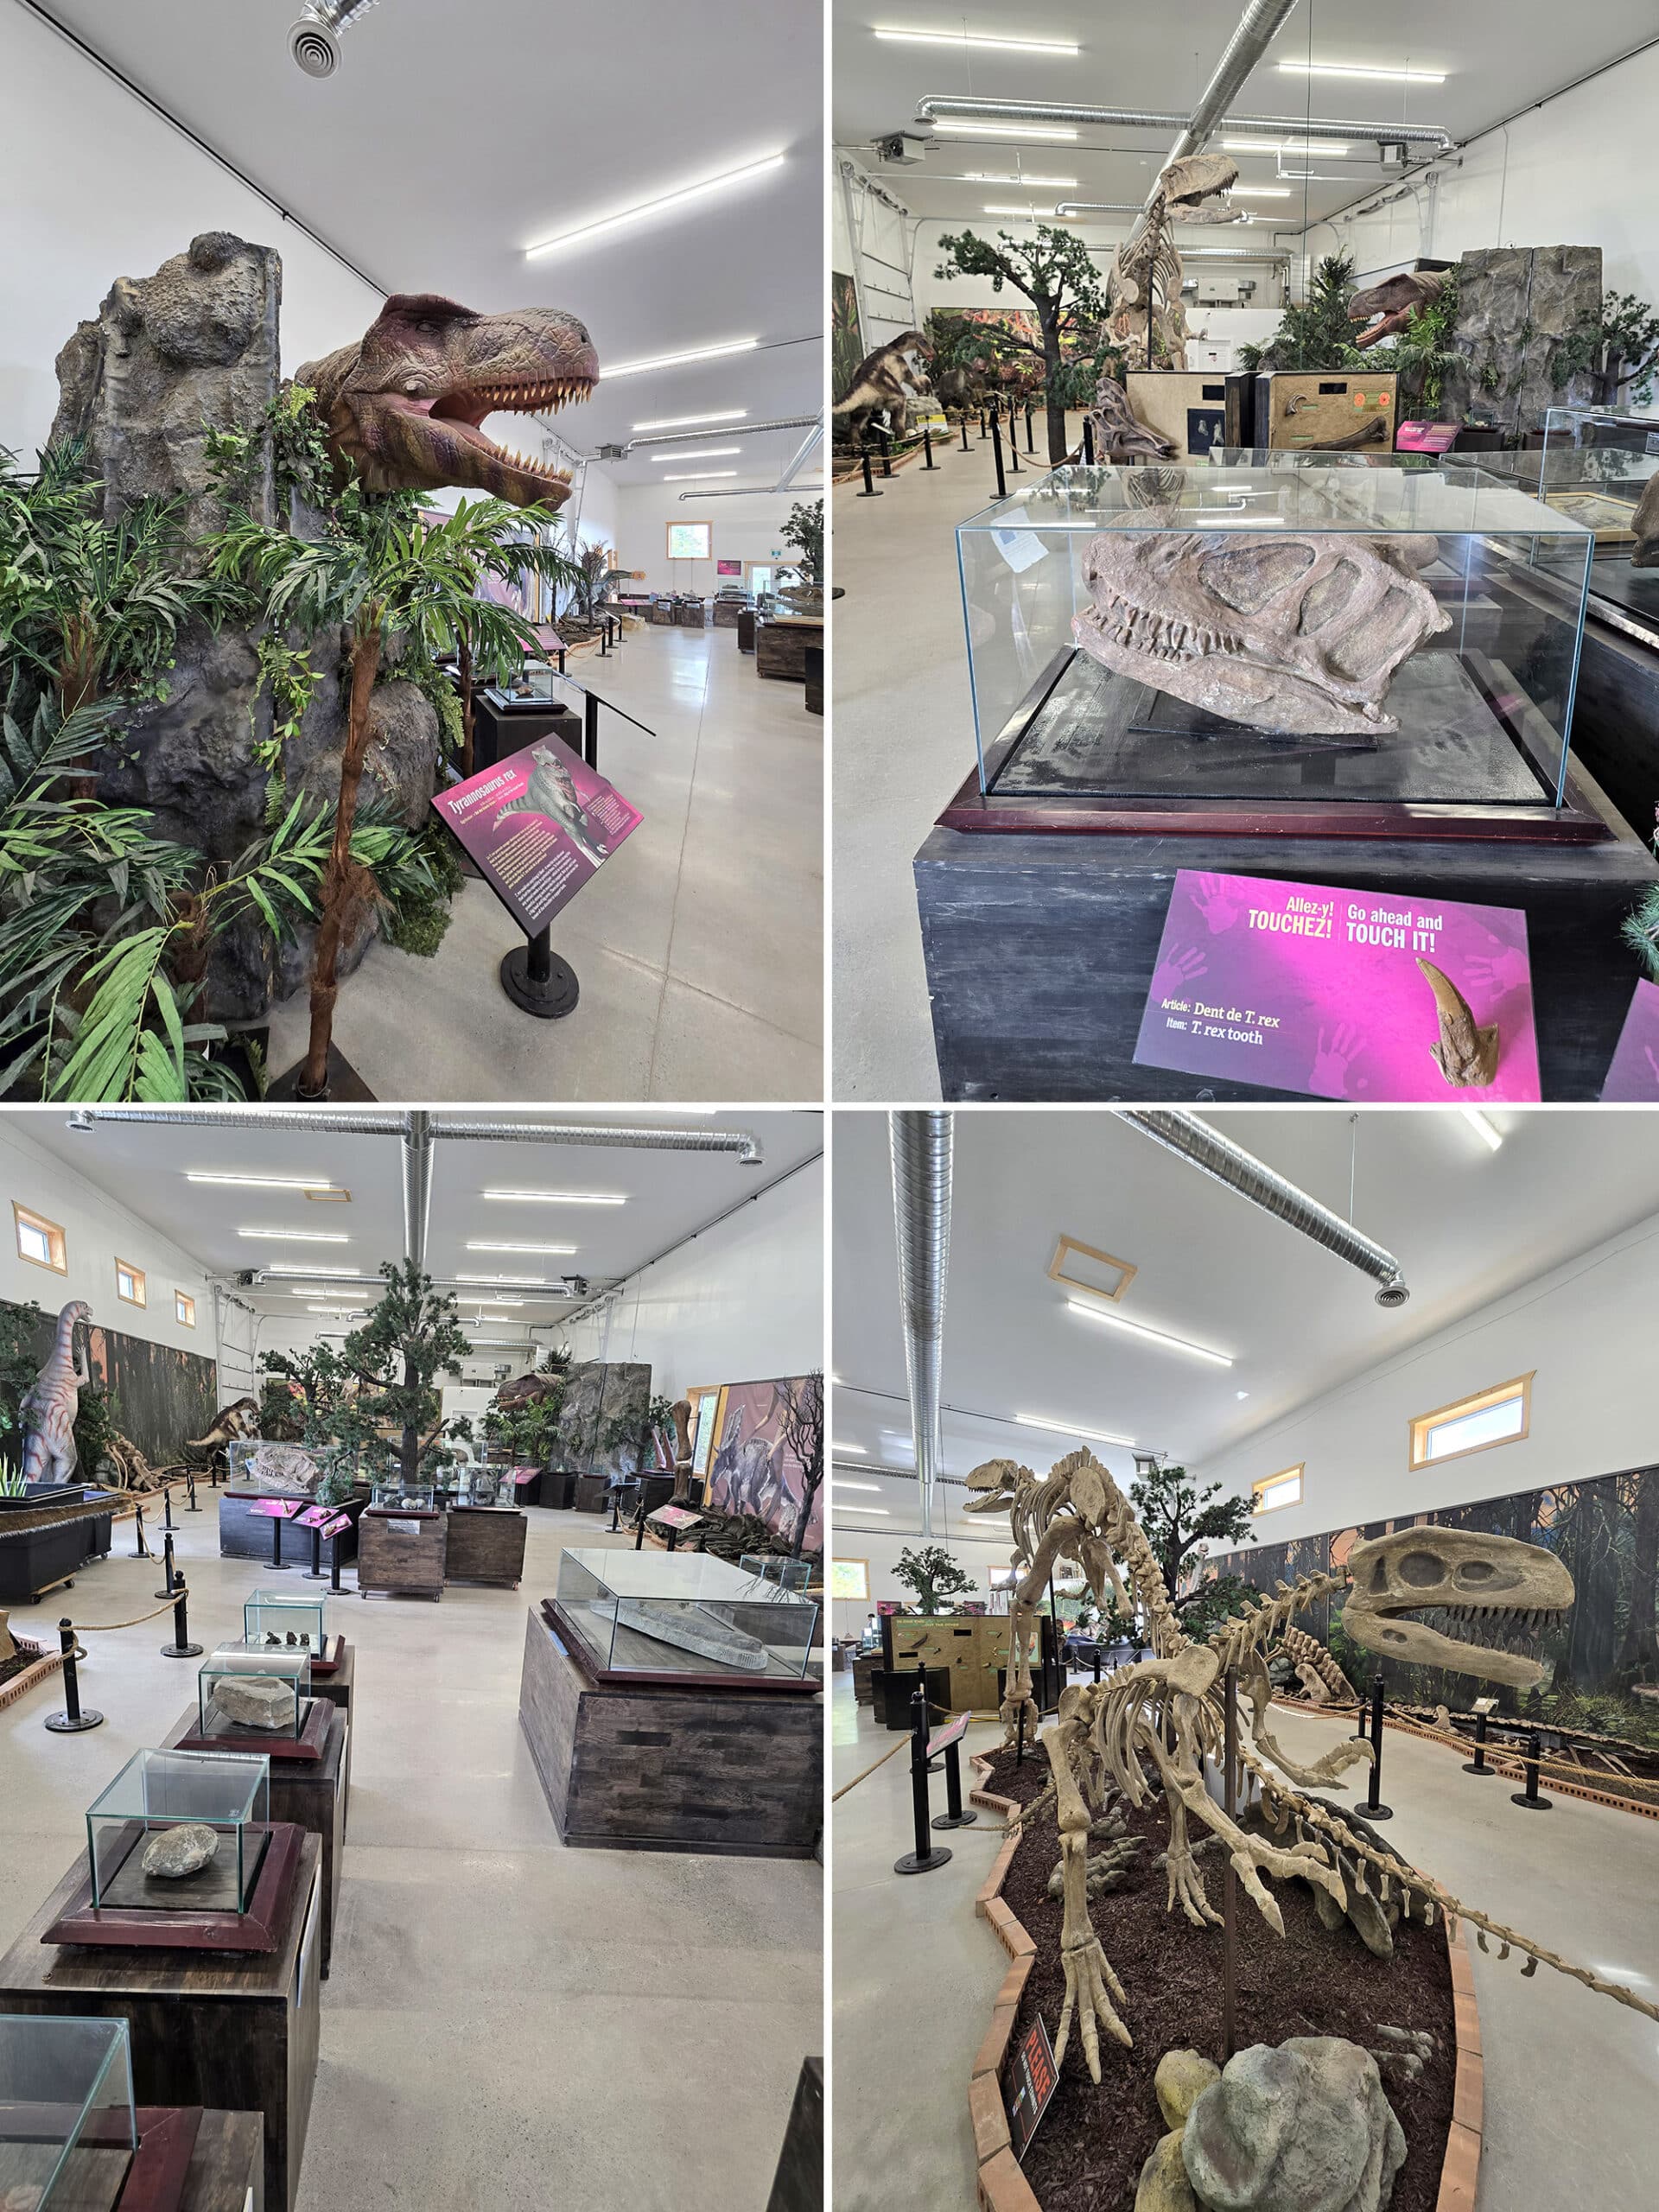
(801, 455)
(314, 1122)
(417, 1184)
(731, 430)
(921, 1146)
(942, 109)
(1255, 33)
(743, 1147)
(1249, 1178)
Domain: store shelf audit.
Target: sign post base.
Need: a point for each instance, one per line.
(546, 987)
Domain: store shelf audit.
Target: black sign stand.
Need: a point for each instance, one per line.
(925, 1856)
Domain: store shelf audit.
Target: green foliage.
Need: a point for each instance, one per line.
(1214, 1601)
(413, 1335)
(20, 1328)
(1054, 271)
(630, 1433)
(1178, 1519)
(1640, 931)
(310, 1399)
(292, 440)
(293, 679)
(1422, 354)
(11, 1479)
(98, 1422)
(1618, 348)
(1318, 333)
(931, 1573)
(804, 531)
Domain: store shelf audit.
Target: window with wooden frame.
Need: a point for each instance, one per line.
(1500, 1415)
(129, 1283)
(40, 1242)
(184, 1309)
(850, 1577)
(1274, 1490)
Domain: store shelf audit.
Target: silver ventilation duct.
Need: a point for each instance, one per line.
(941, 110)
(314, 38)
(320, 1121)
(1250, 41)
(921, 1145)
(417, 1184)
(698, 437)
(745, 1148)
(1241, 1173)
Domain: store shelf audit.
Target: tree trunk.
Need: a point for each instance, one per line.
(465, 656)
(809, 1493)
(409, 1449)
(1057, 442)
(325, 962)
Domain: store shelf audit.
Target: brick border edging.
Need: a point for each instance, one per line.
(1003, 2187)
(24, 1681)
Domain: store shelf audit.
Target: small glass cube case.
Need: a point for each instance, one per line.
(68, 2128)
(275, 1620)
(244, 1691)
(394, 1498)
(228, 1793)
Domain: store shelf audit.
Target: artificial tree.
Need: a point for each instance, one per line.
(1180, 1520)
(932, 1574)
(1318, 333)
(1422, 355)
(804, 531)
(413, 1335)
(1055, 272)
(801, 1427)
(311, 1397)
(630, 1433)
(1617, 349)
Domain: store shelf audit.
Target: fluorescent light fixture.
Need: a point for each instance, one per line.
(1019, 211)
(993, 177)
(974, 38)
(298, 1236)
(322, 1274)
(520, 1344)
(676, 361)
(1153, 1336)
(883, 1510)
(1336, 149)
(339, 1312)
(560, 1197)
(1050, 131)
(858, 1449)
(702, 476)
(1260, 191)
(647, 208)
(1241, 1393)
(1359, 69)
(1071, 1429)
(525, 1282)
(1483, 1130)
(840, 1482)
(686, 421)
(708, 452)
(491, 1245)
(263, 1182)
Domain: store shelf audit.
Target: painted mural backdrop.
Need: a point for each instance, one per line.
(161, 1394)
(847, 339)
(1597, 1657)
(753, 1470)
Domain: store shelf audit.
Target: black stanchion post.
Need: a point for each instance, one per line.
(1088, 443)
(71, 1720)
(167, 1506)
(1096, 1658)
(1528, 1797)
(180, 1646)
(982, 421)
(143, 1550)
(886, 451)
(869, 490)
(996, 455)
(928, 461)
(604, 636)
(1014, 442)
(190, 1490)
(314, 1573)
(639, 1528)
(278, 1564)
(590, 728)
(953, 1815)
(964, 434)
(333, 1567)
(1477, 1764)
(1375, 1809)
(925, 1856)
(166, 1590)
(1031, 438)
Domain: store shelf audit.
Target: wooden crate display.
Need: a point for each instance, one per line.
(400, 1551)
(972, 1646)
(1332, 412)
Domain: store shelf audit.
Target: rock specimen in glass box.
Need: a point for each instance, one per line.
(176, 1852)
(254, 1700)
(1300, 635)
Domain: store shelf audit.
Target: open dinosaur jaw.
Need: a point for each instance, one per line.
(442, 437)
(1495, 1642)
(1460, 1599)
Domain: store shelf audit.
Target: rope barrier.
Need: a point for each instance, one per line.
(103, 1628)
(902, 1745)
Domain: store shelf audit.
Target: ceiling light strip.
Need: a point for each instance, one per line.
(1052, 46)
(686, 422)
(607, 224)
(1152, 1336)
(679, 361)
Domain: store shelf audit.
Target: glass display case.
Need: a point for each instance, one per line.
(1598, 467)
(68, 2124)
(273, 1470)
(396, 1498)
(680, 1613)
(180, 1832)
(487, 1486)
(275, 1620)
(787, 1573)
(1256, 634)
(243, 1689)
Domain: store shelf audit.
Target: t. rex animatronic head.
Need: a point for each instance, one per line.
(1387, 307)
(403, 405)
(1486, 1598)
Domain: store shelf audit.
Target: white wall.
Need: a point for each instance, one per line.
(739, 1303)
(975, 1554)
(97, 1228)
(1587, 1330)
(97, 186)
(744, 528)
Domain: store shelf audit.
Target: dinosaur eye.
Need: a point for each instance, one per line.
(412, 388)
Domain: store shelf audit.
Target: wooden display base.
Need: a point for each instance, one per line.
(226, 2173)
(335, 1686)
(651, 1767)
(780, 643)
(243, 1534)
(239, 2034)
(311, 1798)
(486, 1544)
(129, 1924)
(398, 1561)
(308, 1746)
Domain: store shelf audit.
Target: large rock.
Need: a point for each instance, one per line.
(1515, 306)
(1163, 2186)
(176, 1852)
(400, 771)
(254, 1702)
(1181, 2079)
(1302, 2128)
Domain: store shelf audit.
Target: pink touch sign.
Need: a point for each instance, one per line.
(276, 1508)
(540, 824)
(1635, 1072)
(1308, 986)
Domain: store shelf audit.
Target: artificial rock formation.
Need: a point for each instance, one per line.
(1302, 2128)
(1295, 634)
(178, 1853)
(1515, 305)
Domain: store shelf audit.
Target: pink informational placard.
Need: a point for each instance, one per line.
(540, 824)
(314, 1515)
(1426, 437)
(335, 1527)
(1312, 988)
(519, 1476)
(675, 1516)
(952, 1733)
(276, 1509)
(1634, 1074)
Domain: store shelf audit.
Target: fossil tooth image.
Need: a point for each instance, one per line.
(1465, 1052)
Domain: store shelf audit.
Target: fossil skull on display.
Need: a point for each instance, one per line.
(1296, 634)
(1489, 1595)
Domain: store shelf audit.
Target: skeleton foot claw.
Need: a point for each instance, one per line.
(1089, 1978)
(1186, 1888)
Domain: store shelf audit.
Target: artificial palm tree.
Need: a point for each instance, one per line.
(382, 573)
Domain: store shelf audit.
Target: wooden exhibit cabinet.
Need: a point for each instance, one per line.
(972, 1645)
(399, 1551)
(1196, 408)
(1329, 411)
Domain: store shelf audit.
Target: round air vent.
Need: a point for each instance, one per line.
(1393, 1295)
(314, 48)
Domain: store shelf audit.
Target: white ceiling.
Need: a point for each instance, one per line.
(668, 1194)
(1467, 1224)
(1496, 60)
(452, 137)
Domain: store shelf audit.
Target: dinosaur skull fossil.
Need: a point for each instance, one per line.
(1193, 188)
(1300, 634)
(1497, 1588)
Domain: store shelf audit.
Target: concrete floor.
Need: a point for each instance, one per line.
(904, 741)
(1571, 2077)
(506, 2022)
(699, 947)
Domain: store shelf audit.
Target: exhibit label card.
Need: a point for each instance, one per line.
(1635, 1072)
(1032, 2078)
(1341, 994)
(540, 824)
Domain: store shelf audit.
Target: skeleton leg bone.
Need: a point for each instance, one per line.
(1090, 1984)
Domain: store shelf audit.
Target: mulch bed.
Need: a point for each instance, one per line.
(1088, 2152)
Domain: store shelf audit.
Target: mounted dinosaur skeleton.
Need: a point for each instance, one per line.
(1154, 1723)
(403, 405)
(1144, 312)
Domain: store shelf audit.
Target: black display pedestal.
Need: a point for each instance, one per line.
(538, 981)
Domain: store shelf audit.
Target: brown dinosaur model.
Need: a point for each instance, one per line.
(1385, 308)
(1119, 436)
(1154, 1723)
(403, 405)
(240, 1418)
(1465, 1051)
(1145, 314)
(885, 381)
